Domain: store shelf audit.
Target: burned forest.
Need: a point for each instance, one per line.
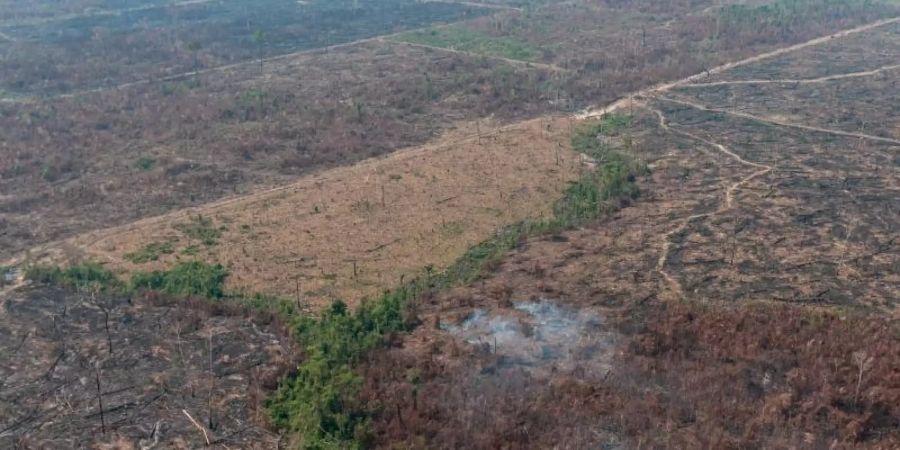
(442, 224)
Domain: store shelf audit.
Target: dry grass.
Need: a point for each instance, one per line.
(388, 217)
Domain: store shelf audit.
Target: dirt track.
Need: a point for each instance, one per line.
(514, 62)
(661, 88)
(865, 73)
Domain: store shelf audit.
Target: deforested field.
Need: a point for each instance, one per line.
(450, 224)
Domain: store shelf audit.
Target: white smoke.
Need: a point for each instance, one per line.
(541, 336)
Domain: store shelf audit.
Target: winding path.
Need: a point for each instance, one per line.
(693, 79)
(729, 196)
(867, 73)
(657, 91)
(510, 61)
(778, 122)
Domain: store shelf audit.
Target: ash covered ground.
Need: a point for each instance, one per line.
(157, 362)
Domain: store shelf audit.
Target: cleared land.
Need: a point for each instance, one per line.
(104, 158)
(734, 305)
(745, 301)
(350, 232)
(229, 133)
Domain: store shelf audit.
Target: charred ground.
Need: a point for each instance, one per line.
(747, 299)
(154, 358)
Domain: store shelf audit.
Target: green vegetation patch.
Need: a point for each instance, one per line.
(319, 403)
(463, 39)
(145, 163)
(613, 183)
(186, 278)
(151, 252)
(86, 277)
(202, 229)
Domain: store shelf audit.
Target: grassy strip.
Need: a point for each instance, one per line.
(319, 403)
(91, 277)
(462, 39)
(187, 278)
(201, 229)
(192, 278)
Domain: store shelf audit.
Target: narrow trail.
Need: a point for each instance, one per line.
(777, 122)
(729, 196)
(867, 73)
(663, 87)
(6, 37)
(226, 67)
(656, 91)
(99, 13)
(478, 5)
(514, 62)
(208, 70)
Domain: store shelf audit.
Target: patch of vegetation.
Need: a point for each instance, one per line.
(201, 228)
(91, 277)
(186, 278)
(462, 39)
(319, 403)
(151, 252)
(612, 183)
(145, 163)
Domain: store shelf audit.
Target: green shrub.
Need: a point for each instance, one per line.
(151, 252)
(319, 403)
(145, 163)
(186, 278)
(86, 276)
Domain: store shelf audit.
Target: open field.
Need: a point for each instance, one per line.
(349, 232)
(154, 360)
(736, 304)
